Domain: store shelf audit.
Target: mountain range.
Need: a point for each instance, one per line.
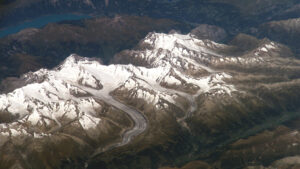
(149, 84)
(167, 100)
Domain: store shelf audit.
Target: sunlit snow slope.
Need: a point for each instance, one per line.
(71, 91)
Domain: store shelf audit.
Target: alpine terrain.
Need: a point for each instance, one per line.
(165, 102)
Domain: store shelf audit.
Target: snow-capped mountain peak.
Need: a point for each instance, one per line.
(75, 90)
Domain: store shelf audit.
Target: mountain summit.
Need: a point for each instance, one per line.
(168, 86)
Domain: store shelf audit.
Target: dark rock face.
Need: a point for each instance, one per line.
(200, 98)
(271, 149)
(284, 31)
(210, 32)
(32, 49)
(35, 48)
(245, 42)
(255, 126)
(258, 69)
(232, 15)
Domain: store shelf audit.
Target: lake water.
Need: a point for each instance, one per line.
(40, 22)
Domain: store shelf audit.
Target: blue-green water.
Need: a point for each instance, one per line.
(40, 22)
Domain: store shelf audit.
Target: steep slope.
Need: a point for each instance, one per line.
(266, 83)
(71, 90)
(283, 31)
(172, 96)
(32, 49)
(232, 15)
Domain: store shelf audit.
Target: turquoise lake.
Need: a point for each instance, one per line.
(40, 22)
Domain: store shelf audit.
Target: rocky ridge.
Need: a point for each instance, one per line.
(168, 86)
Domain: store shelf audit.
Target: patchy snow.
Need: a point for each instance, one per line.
(4, 134)
(172, 80)
(88, 121)
(34, 118)
(15, 132)
(40, 135)
(270, 46)
(264, 49)
(70, 91)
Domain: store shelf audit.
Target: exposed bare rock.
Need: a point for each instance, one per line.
(283, 31)
(179, 90)
(210, 32)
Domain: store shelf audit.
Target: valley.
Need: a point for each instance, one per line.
(175, 89)
(149, 84)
